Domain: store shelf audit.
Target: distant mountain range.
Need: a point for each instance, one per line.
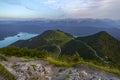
(99, 46)
(77, 27)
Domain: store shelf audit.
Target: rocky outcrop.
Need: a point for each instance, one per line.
(29, 69)
(41, 70)
(84, 72)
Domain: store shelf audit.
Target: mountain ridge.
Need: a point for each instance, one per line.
(75, 54)
(93, 47)
(105, 45)
(47, 40)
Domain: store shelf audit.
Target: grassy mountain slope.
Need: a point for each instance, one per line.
(74, 46)
(49, 40)
(91, 49)
(105, 45)
(98, 46)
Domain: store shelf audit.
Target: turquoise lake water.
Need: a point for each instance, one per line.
(21, 36)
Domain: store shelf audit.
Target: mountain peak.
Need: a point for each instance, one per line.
(104, 44)
(54, 34)
(46, 39)
(102, 33)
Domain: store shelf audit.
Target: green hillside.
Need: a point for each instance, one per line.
(49, 40)
(99, 50)
(100, 46)
(105, 45)
(74, 46)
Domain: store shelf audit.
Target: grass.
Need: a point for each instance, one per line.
(65, 61)
(58, 62)
(6, 73)
(104, 68)
(66, 76)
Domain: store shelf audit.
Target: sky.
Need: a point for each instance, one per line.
(59, 9)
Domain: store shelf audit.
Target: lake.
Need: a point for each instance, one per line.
(21, 36)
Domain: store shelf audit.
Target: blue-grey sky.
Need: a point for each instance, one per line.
(59, 9)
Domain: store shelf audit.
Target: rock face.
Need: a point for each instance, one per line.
(83, 72)
(41, 70)
(27, 70)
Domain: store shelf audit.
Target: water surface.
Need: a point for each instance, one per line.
(21, 36)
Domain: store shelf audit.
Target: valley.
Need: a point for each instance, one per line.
(59, 39)
(57, 55)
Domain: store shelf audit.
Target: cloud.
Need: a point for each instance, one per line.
(51, 1)
(73, 8)
(18, 3)
(87, 8)
(15, 2)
